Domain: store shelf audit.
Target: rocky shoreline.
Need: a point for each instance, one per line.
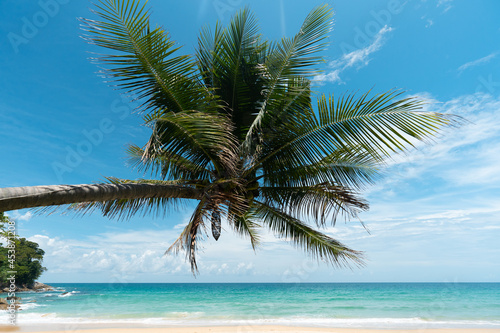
(14, 301)
(37, 286)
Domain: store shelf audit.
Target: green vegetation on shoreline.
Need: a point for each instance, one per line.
(25, 260)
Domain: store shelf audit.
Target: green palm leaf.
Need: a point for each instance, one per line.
(353, 169)
(377, 126)
(289, 59)
(320, 201)
(188, 239)
(317, 244)
(169, 166)
(229, 60)
(246, 226)
(144, 63)
(202, 138)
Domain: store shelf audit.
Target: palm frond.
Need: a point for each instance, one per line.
(291, 58)
(188, 239)
(298, 56)
(229, 60)
(317, 244)
(378, 126)
(246, 226)
(171, 166)
(204, 139)
(351, 168)
(320, 201)
(144, 60)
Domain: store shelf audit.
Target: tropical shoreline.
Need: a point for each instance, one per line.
(387, 306)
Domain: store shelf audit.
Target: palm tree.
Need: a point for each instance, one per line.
(234, 128)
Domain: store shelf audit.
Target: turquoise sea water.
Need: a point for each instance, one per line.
(368, 305)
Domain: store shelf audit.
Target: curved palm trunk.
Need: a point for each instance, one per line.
(12, 198)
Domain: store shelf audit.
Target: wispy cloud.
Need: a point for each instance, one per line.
(283, 17)
(446, 4)
(477, 62)
(468, 156)
(358, 58)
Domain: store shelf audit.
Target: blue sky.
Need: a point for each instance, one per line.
(434, 216)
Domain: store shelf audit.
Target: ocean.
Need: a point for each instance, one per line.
(349, 305)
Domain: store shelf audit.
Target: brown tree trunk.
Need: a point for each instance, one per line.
(12, 198)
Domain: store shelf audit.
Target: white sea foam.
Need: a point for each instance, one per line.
(193, 319)
(179, 315)
(375, 323)
(71, 293)
(26, 306)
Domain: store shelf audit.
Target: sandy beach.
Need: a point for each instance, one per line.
(252, 329)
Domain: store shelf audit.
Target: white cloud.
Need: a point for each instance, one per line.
(126, 256)
(15, 215)
(358, 58)
(477, 62)
(459, 214)
(180, 226)
(333, 76)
